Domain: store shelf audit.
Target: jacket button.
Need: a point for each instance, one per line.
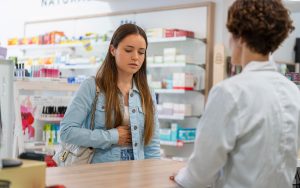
(131, 94)
(133, 110)
(135, 127)
(135, 144)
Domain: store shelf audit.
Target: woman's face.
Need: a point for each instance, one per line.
(130, 54)
(236, 50)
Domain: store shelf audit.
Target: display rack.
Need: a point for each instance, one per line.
(202, 67)
(36, 85)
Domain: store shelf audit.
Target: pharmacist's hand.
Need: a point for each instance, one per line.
(172, 177)
(124, 135)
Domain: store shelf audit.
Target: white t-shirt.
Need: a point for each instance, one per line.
(247, 136)
(126, 116)
(126, 121)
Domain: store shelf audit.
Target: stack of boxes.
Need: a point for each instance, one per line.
(170, 55)
(168, 33)
(173, 109)
(185, 81)
(177, 133)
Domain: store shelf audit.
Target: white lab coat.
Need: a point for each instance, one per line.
(247, 136)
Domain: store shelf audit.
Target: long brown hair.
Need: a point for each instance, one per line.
(107, 78)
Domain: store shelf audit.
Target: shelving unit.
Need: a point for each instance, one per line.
(29, 87)
(98, 44)
(166, 65)
(50, 119)
(176, 91)
(82, 66)
(201, 46)
(45, 85)
(179, 143)
(173, 117)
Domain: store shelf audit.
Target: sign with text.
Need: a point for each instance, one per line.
(50, 3)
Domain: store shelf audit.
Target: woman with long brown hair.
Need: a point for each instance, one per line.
(126, 124)
(247, 136)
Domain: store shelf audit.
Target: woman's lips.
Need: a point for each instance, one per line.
(133, 65)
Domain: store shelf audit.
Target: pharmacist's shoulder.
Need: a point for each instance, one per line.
(228, 84)
(232, 88)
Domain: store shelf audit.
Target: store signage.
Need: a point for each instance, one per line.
(48, 3)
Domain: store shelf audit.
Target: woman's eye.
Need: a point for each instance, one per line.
(141, 53)
(128, 50)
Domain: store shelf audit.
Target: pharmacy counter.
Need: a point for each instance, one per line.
(144, 173)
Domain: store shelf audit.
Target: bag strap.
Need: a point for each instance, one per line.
(94, 107)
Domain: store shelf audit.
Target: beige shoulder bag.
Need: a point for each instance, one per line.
(70, 154)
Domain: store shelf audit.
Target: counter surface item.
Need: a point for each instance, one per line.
(30, 174)
(142, 173)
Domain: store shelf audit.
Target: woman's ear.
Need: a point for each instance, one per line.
(112, 50)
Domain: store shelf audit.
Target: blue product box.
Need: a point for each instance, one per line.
(165, 134)
(187, 134)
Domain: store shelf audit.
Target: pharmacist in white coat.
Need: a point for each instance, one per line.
(247, 136)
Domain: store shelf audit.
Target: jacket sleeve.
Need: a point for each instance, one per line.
(77, 112)
(216, 136)
(153, 149)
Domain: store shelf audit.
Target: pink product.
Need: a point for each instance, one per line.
(296, 76)
(35, 71)
(179, 33)
(48, 72)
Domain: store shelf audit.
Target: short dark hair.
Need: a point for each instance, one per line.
(262, 24)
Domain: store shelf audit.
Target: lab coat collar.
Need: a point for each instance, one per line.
(260, 66)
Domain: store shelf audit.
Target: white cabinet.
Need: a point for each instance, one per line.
(196, 57)
(31, 95)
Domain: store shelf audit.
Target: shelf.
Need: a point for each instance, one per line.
(40, 147)
(93, 43)
(175, 91)
(82, 66)
(174, 39)
(50, 119)
(42, 84)
(179, 143)
(172, 117)
(43, 46)
(164, 65)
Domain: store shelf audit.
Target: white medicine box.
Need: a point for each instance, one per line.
(183, 81)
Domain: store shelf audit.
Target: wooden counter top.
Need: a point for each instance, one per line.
(140, 174)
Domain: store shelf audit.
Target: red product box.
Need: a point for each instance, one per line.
(184, 33)
(49, 161)
(179, 33)
(170, 32)
(41, 39)
(46, 38)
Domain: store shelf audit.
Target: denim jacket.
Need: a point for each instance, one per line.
(76, 122)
